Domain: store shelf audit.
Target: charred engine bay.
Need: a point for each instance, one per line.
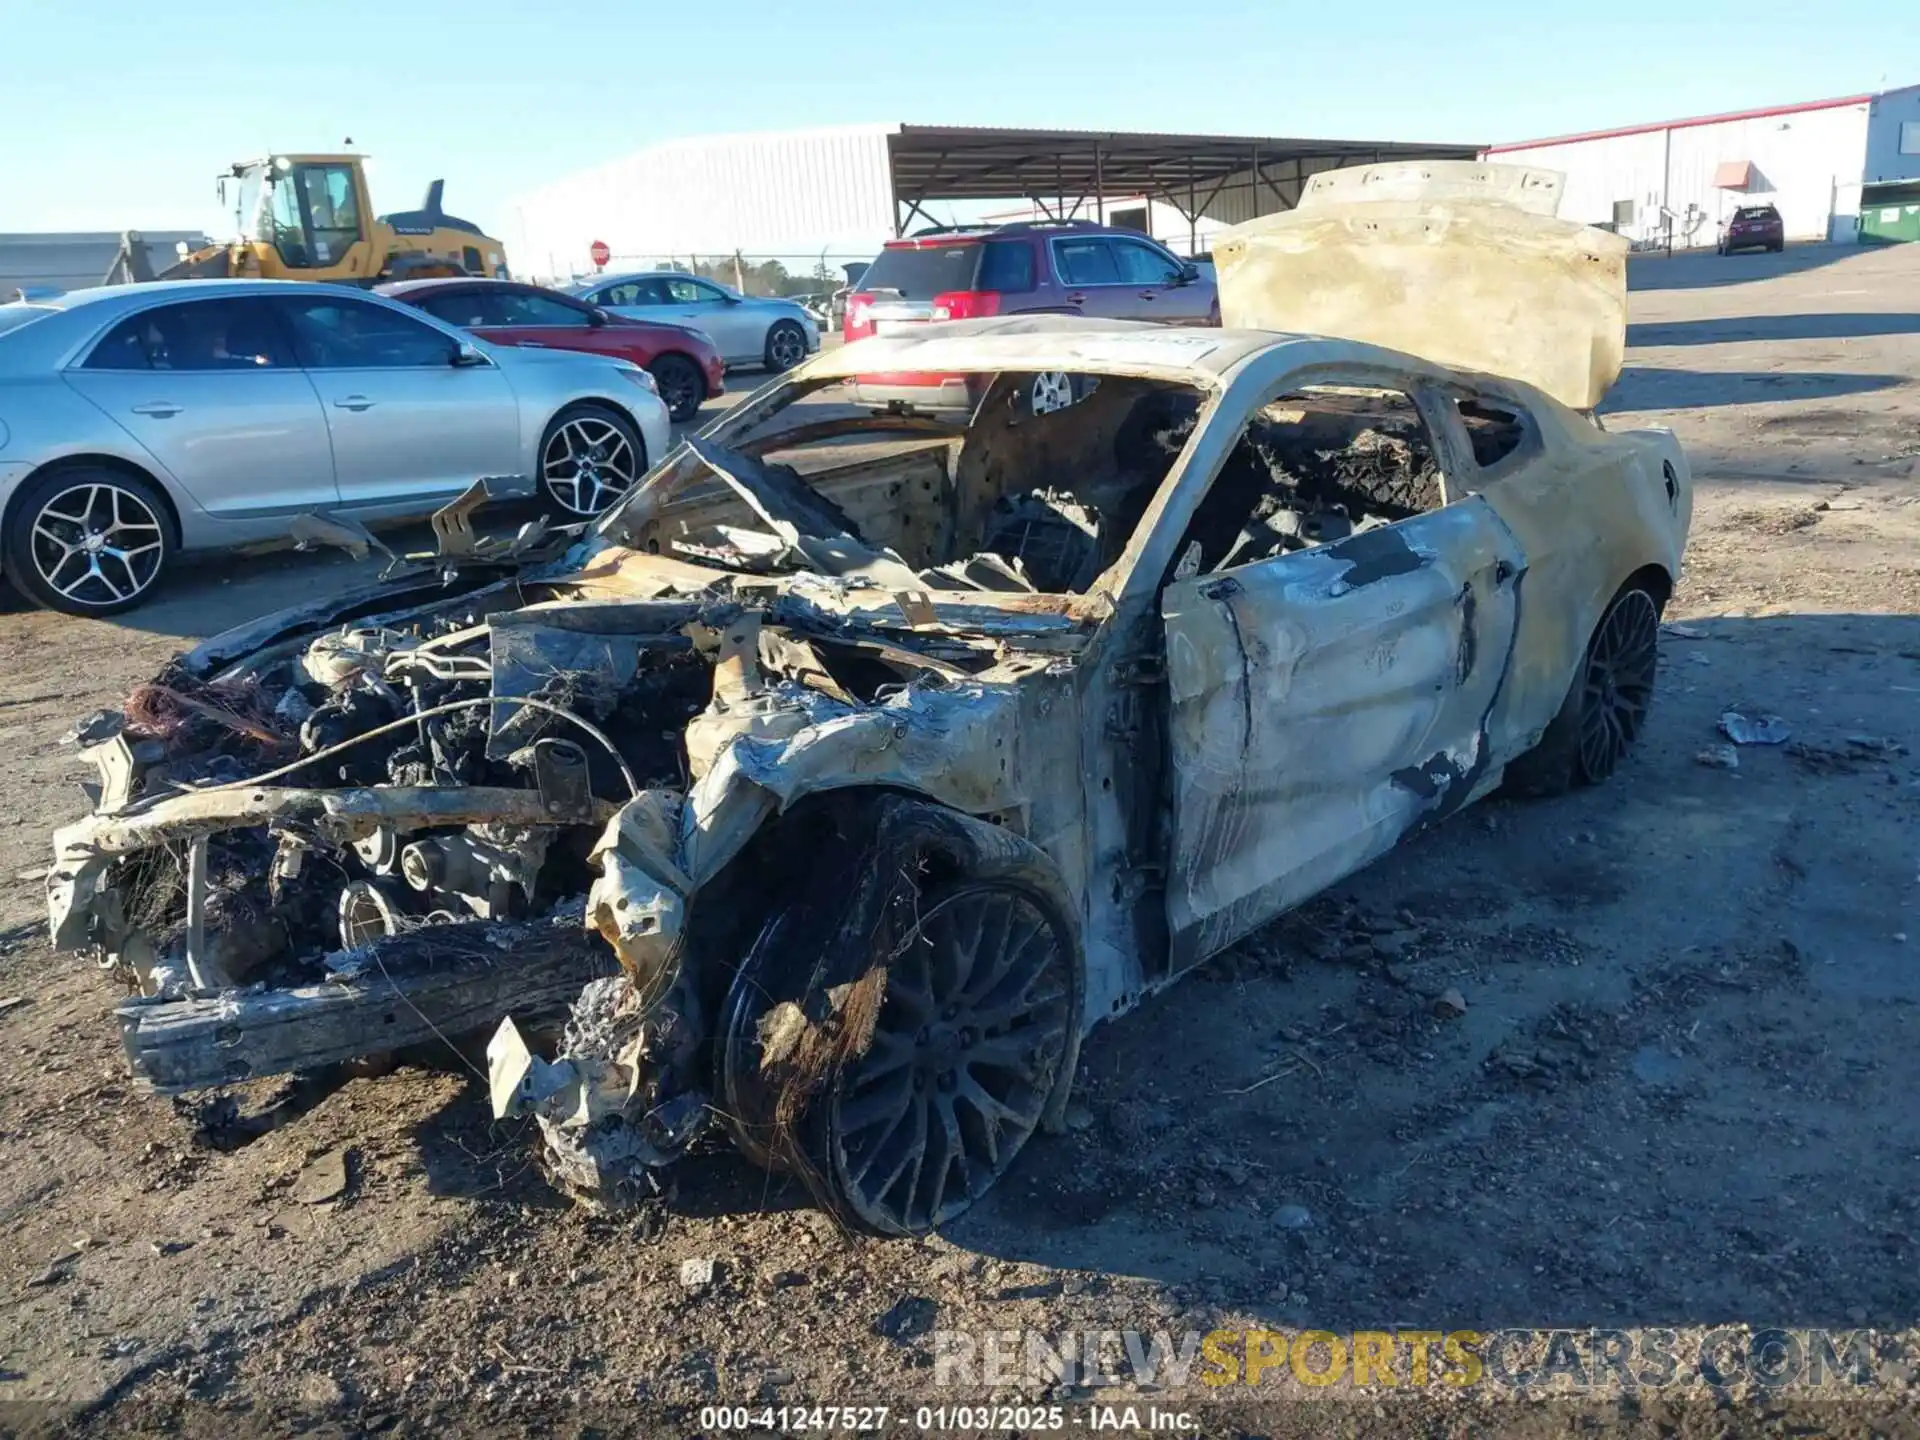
(382, 835)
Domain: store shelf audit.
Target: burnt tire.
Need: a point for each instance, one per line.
(683, 388)
(88, 540)
(1606, 707)
(786, 345)
(906, 1020)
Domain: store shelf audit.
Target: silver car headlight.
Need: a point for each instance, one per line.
(644, 379)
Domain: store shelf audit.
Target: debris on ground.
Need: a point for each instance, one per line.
(1718, 757)
(1292, 1216)
(325, 1178)
(908, 1318)
(55, 1270)
(1854, 752)
(1745, 729)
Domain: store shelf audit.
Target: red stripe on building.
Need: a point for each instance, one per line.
(1760, 114)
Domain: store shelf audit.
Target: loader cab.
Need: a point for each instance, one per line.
(310, 209)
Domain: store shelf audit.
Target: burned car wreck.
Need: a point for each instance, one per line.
(845, 775)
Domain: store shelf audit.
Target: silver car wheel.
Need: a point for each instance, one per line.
(97, 544)
(1052, 390)
(786, 346)
(588, 464)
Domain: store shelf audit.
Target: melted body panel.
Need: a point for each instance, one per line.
(1323, 704)
(1426, 261)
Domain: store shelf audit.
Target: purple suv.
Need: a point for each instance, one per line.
(1055, 267)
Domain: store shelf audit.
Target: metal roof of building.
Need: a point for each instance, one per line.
(964, 162)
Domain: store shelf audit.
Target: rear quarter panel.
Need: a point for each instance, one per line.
(1590, 510)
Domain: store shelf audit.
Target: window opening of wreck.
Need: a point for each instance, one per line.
(1313, 467)
(1038, 491)
(1495, 431)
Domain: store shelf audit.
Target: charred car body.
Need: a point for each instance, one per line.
(858, 764)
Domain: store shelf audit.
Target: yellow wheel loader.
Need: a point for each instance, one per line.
(309, 217)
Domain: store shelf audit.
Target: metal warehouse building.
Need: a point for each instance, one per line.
(837, 194)
(1831, 167)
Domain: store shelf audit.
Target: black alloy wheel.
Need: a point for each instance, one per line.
(1618, 684)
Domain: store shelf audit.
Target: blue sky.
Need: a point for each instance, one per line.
(118, 114)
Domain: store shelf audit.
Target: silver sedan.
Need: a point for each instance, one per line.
(749, 330)
(142, 421)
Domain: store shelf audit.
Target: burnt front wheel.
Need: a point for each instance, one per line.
(901, 1071)
(1606, 710)
(969, 1038)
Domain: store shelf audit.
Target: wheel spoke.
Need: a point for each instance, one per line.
(1024, 1003)
(910, 997)
(53, 577)
(883, 1106)
(995, 1115)
(886, 1055)
(1014, 1051)
(897, 1156)
(133, 580)
(913, 1160)
(94, 572)
(953, 1153)
(1022, 948)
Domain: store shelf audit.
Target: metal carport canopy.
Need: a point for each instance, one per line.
(962, 162)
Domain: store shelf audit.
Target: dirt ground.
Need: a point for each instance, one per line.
(1677, 1089)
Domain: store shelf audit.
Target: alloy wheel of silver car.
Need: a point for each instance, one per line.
(97, 544)
(588, 463)
(1052, 390)
(786, 345)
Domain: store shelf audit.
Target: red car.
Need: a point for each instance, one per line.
(1754, 227)
(683, 362)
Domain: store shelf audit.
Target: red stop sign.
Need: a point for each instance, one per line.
(600, 253)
